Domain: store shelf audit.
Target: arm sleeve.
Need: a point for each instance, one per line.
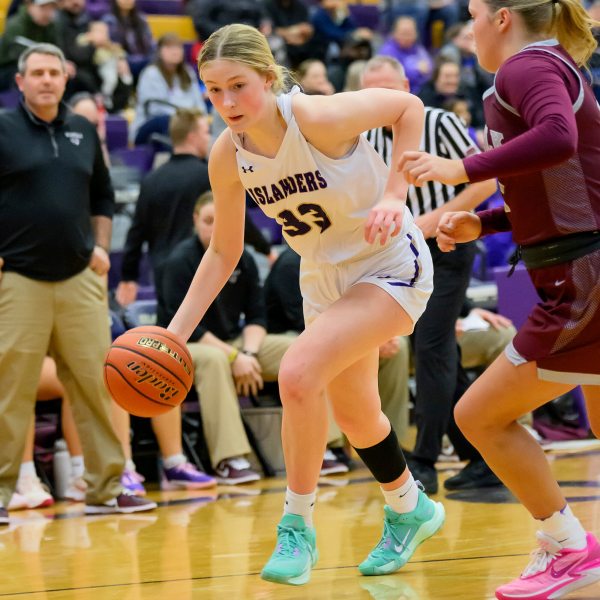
(494, 220)
(455, 137)
(102, 195)
(254, 310)
(536, 88)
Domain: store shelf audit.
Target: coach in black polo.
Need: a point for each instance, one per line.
(56, 206)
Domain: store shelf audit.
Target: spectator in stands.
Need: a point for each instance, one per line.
(58, 249)
(210, 15)
(129, 28)
(109, 58)
(445, 85)
(425, 13)
(337, 38)
(164, 86)
(80, 45)
(460, 48)
(229, 358)
(312, 77)
(291, 22)
(86, 105)
(403, 45)
(32, 24)
(354, 75)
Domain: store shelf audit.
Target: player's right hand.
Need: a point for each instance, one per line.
(457, 228)
(126, 292)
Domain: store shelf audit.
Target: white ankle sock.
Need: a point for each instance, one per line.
(300, 504)
(565, 528)
(403, 499)
(174, 460)
(27, 469)
(77, 466)
(130, 465)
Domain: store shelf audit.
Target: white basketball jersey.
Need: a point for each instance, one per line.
(322, 203)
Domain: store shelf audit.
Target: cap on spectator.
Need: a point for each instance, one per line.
(42, 2)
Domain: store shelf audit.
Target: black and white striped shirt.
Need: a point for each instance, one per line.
(445, 135)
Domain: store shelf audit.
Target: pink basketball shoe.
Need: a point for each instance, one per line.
(554, 571)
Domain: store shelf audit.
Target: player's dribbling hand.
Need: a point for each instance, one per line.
(246, 372)
(420, 167)
(457, 228)
(384, 219)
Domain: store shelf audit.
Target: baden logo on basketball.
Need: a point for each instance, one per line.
(167, 391)
(148, 342)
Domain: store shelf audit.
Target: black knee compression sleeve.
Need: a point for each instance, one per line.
(385, 459)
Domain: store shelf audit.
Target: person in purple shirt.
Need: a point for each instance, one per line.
(543, 130)
(403, 45)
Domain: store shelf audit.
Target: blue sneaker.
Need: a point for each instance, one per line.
(402, 534)
(295, 553)
(186, 477)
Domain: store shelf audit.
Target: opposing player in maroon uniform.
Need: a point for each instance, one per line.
(543, 132)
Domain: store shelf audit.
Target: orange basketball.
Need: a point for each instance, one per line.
(148, 371)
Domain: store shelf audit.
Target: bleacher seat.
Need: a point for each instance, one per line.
(182, 25)
(116, 132)
(161, 7)
(366, 15)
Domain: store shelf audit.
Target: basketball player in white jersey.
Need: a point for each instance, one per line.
(366, 275)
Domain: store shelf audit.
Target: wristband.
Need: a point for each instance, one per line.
(250, 353)
(233, 355)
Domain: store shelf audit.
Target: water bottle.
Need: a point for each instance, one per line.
(62, 468)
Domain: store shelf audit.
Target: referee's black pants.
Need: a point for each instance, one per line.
(440, 377)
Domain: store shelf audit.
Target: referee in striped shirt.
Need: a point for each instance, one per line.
(440, 378)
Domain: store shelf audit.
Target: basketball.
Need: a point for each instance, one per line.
(148, 371)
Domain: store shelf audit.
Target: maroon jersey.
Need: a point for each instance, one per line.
(543, 127)
(543, 130)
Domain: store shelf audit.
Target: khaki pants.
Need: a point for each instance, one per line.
(219, 406)
(480, 348)
(68, 320)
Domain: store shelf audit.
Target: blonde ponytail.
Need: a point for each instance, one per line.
(566, 20)
(573, 27)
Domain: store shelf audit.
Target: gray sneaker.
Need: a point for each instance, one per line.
(124, 503)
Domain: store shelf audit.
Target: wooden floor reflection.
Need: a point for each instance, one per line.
(199, 545)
